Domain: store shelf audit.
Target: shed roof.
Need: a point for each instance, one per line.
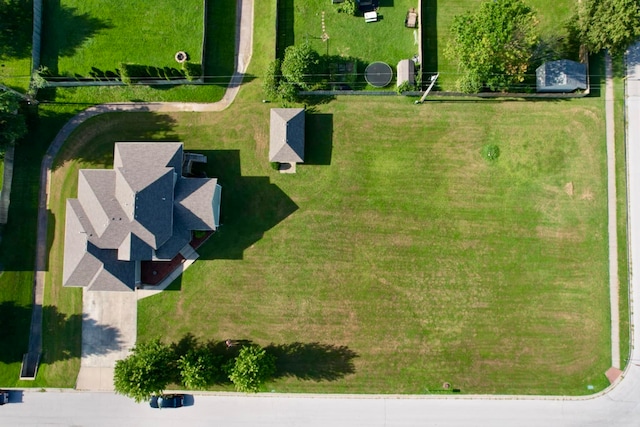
(406, 72)
(561, 76)
(286, 142)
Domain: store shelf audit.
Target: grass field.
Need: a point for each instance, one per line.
(438, 16)
(79, 35)
(419, 259)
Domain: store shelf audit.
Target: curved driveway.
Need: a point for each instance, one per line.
(618, 406)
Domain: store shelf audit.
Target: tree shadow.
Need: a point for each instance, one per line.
(219, 52)
(61, 334)
(99, 339)
(15, 28)
(307, 361)
(312, 361)
(64, 30)
(250, 206)
(319, 140)
(596, 74)
(285, 35)
(428, 23)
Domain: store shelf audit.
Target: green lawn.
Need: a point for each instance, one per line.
(438, 16)
(219, 66)
(350, 36)
(424, 261)
(79, 35)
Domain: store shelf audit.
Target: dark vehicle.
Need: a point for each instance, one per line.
(4, 397)
(167, 401)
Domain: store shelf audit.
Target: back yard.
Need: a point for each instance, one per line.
(79, 35)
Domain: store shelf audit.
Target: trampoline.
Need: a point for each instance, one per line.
(378, 74)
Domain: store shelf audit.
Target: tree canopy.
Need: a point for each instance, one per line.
(251, 368)
(147, 371)
(493, 46)
(608, 24)
(12, 122)
(299, 65)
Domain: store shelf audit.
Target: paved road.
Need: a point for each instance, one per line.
(619, 408)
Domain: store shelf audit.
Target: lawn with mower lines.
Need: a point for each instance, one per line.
(424, 260)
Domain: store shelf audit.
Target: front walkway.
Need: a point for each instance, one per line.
(104, 312)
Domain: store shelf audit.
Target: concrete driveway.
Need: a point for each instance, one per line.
(109, 324)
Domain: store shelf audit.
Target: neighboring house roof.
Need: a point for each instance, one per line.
(143, 209)
(561, 76)
(406, 72)
(286, 144)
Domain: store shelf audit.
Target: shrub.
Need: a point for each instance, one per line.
(491, 152)
(192, 71)
(251, 368)
(405, 87)
(271, 82)
(123, 70)
(348, 7)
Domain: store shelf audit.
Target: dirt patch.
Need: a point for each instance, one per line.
(568, 188)
(587, 195)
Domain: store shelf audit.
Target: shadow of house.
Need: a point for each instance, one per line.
(319, 139)
(64, 31)
(250, 206)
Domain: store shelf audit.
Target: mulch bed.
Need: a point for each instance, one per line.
(154, 272)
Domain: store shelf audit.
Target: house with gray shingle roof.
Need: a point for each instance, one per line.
(141, 210)
(286, 142)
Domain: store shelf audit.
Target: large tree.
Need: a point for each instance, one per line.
(608, 24)
(12, 122)
(199, 367)
(251, 368)
(493, 46)
(147, 371)
(300, 65)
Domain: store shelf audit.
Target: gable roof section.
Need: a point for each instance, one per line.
(195, 200)
(286, 142)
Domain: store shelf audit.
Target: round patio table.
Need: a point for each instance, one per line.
(378, 74)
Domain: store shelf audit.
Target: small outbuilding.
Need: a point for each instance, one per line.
(286, 143)
(561, 76)
(406, 72)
